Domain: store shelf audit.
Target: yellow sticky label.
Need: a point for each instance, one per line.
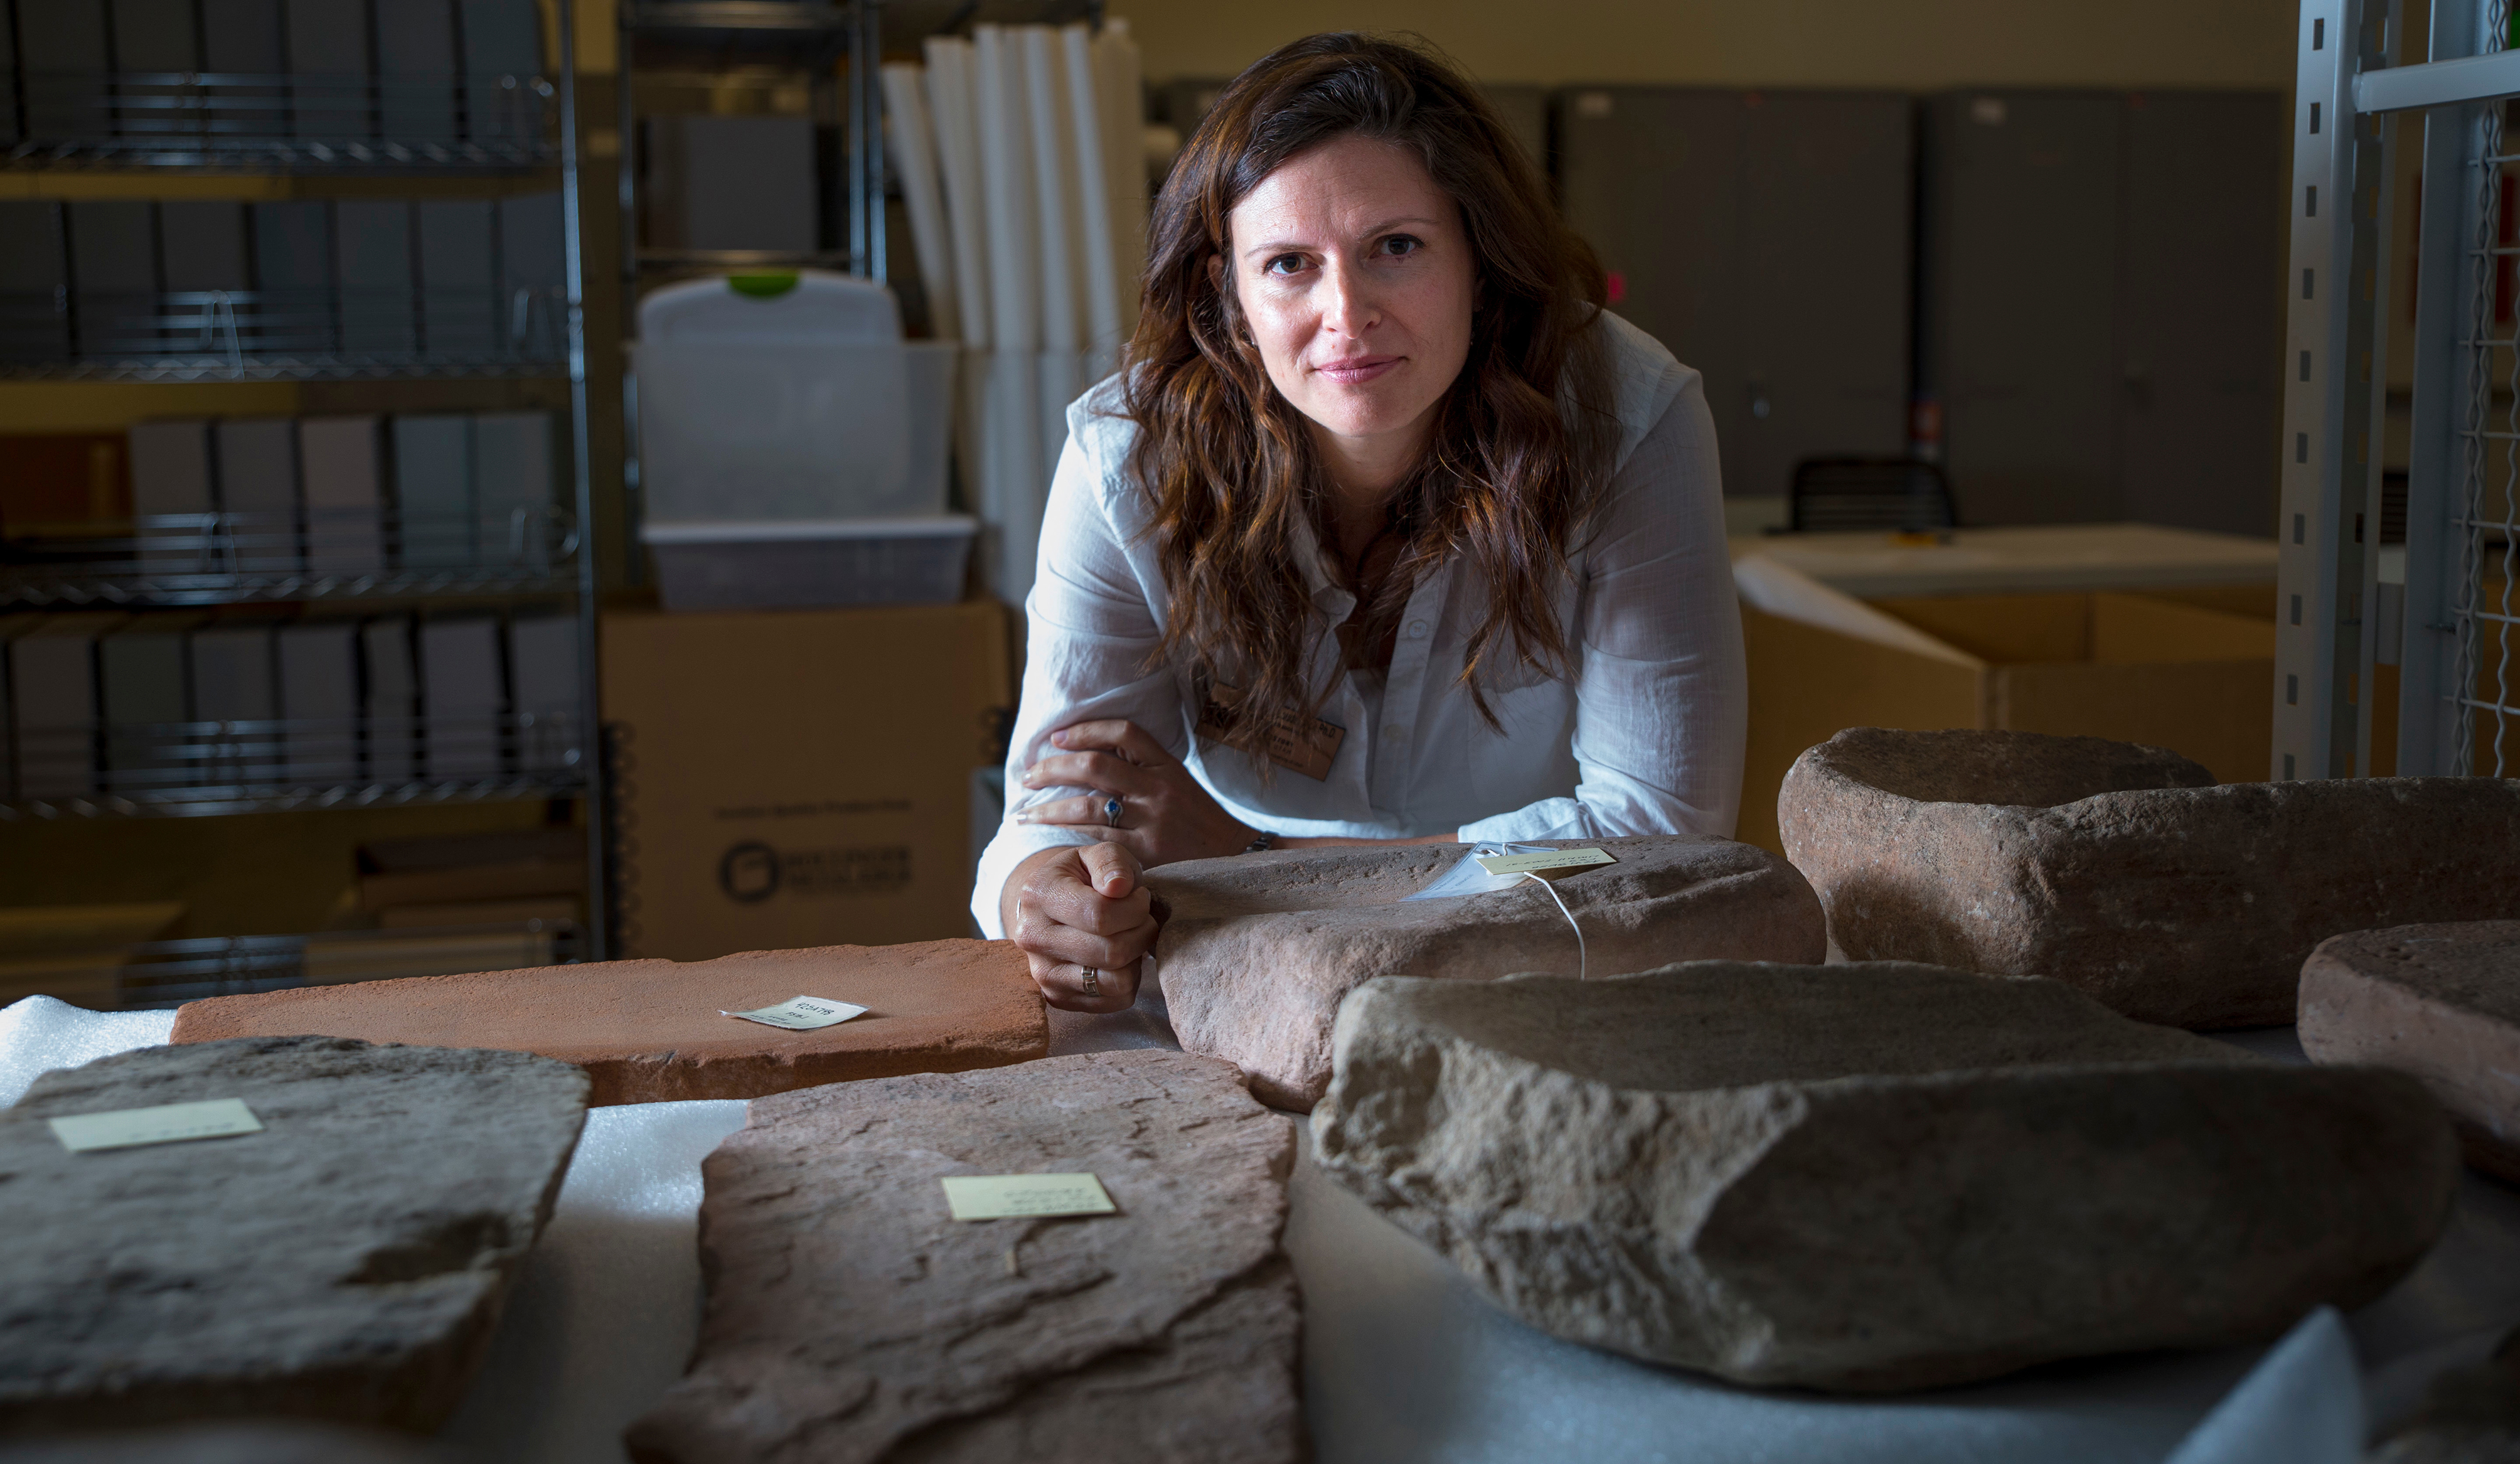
(1544, 860)
(167, 1124)
(998, 1197)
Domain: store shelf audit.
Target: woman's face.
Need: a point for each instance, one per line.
(1355, 275)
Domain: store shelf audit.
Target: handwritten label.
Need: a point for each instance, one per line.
(1306, 745)
(998, 1197)
(1545, 862)
(800, 1014)
(165, 1123)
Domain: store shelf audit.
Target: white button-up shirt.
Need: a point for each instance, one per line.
(1647, 738)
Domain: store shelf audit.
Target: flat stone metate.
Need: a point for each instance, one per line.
(2124, 870)
(1259, 949)
(2441, 1002)
(653, 1032)
(347, 1262)
(1873, 1176)
(850, 1317)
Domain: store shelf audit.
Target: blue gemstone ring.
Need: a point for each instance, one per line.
(1112, 810)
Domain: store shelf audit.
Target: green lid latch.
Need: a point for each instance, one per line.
(764, 284)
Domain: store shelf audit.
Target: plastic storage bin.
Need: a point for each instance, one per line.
(805, 564)
(783, 397)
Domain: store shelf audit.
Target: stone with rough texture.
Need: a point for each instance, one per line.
(1258, 950)
(1871, 1176)
(850, 1319)
(651, 1031)
(2439, 1001)
(259, 1441)
(347, 1262)
(2124, 870)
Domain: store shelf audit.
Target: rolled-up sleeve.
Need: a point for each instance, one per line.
(1090, 631)
(1662, 704)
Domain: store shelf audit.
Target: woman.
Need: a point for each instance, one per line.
(1386, 533)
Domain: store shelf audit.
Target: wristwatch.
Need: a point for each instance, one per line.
(1264, 840)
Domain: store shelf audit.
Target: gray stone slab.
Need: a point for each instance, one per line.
(1873, 1176)
(347, 1262)
(2441, 1002)
(1258, 950)
(850, 1317)
(2124, 870)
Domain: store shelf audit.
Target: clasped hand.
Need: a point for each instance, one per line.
(1081, 915)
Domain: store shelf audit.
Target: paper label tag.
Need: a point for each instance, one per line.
(1543, 861)
(998, 1197)
(800, 1014)
(1466, 877)
(1305, 745)
(165, 1123)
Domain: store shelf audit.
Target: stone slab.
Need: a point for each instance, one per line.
(1873, 1176)
(2124, 870)
(1258, 950)
(851, 1318)
(649, 1032)
(347, 1262)
(2441, 1002)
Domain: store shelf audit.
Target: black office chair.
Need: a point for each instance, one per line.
(1871, 492)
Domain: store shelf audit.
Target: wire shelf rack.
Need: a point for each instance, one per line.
(297, 122)
(281, 335)
(179, 769)
(161, 974)
(312, 554)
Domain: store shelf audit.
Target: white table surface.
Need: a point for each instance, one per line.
(1403, 1361)
(2031, 559)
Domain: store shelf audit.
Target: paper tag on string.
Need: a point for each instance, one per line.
(1466, 877)
(165, 1124)
(800, 1014)
(998, 1197)
(1546, 863)
(1306, 745)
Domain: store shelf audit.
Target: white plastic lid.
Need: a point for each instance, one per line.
(820, 306)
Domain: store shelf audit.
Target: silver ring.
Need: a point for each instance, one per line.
(1112, 810)
(1092, 978)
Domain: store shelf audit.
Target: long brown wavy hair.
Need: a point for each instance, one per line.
(1521, 441)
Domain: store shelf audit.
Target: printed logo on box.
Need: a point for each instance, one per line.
(752, 871)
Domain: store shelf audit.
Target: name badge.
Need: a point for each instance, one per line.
(1300, 744)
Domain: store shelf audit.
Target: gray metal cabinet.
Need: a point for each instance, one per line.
(2202, 321)
(2099, 315)
(1765, 238)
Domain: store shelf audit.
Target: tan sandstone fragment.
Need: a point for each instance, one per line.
(1259, 949)
(2441, 1002)
(851, 1318)
(346, 1262)
(1870, 1177)
(2124, 870)
(649, 1032)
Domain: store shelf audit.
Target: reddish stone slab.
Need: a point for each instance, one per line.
(649, 1032)
(1258, 950)
(2441, 1002)
(851, 1317)
(2124, 870)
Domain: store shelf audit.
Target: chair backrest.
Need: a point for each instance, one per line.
(1871, 492)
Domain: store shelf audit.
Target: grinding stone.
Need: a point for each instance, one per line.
(649, 1032)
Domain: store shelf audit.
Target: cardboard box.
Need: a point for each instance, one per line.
(799, 777)
(2135, 668)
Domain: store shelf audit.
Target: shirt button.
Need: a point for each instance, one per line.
(1397, 734)
(1417, 629)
